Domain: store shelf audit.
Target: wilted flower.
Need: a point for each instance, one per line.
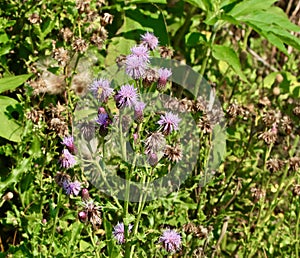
(171, 240)
(93, 213)
(149, 40)
(61, 55)
(119, 232)
(127, 96)
(101, 89)
(135, 66)
(60, 178)
(68, 141)
(106, 19)
(87, 130)
(72, 187)
(169, 122)
(67, 160)
(163, 75)
(155, 142)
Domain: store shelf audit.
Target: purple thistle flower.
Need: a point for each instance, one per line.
(102, 119)
(68, 141)
(72, 187)
(163, 74)
(101, 89)
(67, 160)
(127, 96)
(170, 240)
(169, 122)
(149, 40)
(138, 111)
(135, 66)
(142, 52)
(119, 232)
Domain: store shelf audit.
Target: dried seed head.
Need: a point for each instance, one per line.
(294, 163)
(286, 124)
(165, 52)
(274, 165)
(106, 19)
(257, 193)
(296, 190)
(79, 45)
(61, 56)
(121, 60)
(34, 18)
(205, 124)
(150, 77)
(269, 136)
(200, 104)
(296, 111)
(173, 153)
(66, 34)
(271, 117)
(59, 126)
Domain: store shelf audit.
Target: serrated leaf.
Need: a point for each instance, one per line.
(10, 128)
(228, 55)
(10, 83)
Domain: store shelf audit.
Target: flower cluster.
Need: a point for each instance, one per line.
(67, 160)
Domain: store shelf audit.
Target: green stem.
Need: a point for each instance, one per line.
(297, 230)
(93, 242)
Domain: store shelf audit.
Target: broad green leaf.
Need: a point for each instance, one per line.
(10, 129)
(10, 83)
(249, 6)
(228, 55)
(273, 15)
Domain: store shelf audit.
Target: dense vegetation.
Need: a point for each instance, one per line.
(150, 128)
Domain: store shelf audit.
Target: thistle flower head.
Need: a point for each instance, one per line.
(150, 40)
(72, 187)
(68, 141)
(141, 52)
(119, 232)
(67, 160)
(170, 240)
(135, 66)
(127, 96)
(101, 89)
(163, 74)
(169, 122)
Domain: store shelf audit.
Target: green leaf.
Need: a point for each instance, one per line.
(10, 83)
(10, 129)
(228, 55)
(14, 175)
(202, 4)
(249, 6)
